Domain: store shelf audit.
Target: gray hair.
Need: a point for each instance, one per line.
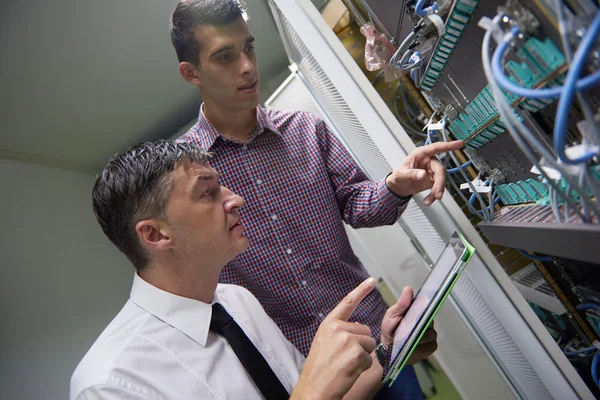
(135, 186)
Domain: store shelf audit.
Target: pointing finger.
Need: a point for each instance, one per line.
(441, 147)
(344, 310)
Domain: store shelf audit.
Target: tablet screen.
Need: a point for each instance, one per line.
(432, 285)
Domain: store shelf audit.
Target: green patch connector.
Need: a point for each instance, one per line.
(539, 187)
(522, 74)
(521, 194)
(460, 17)
(453, 32)
(544, 53)
(532, 194)
(448, 42)
(478, 141)
(456, 25)
(507, 195)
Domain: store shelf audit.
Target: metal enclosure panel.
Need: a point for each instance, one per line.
(524, 351)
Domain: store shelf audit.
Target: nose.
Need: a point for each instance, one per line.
(233, 202)
(247, 67)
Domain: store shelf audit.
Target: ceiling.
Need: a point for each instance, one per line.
(81, 80)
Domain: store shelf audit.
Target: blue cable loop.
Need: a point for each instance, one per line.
(423, 12)
(565, 93)
(542, 93)
(566, 98)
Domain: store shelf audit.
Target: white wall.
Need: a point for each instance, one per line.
(62, 280)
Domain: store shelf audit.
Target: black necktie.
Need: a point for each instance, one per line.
(254, 363)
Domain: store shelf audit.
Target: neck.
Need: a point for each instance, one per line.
(233, 124)
(185, 281)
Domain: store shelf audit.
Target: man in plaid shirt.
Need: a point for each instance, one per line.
(299, 182)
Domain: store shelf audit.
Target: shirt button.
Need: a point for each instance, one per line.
(274, 217)
(321, 315)
(304, 283)
(289, 251)
(258, 181)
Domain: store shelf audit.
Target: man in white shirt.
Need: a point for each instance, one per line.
(182, 335)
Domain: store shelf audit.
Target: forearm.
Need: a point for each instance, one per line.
(368, 383)
(371, 204)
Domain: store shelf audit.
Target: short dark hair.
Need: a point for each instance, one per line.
(135, 186)
(189, 14)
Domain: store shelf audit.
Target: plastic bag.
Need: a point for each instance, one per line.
(378, 51)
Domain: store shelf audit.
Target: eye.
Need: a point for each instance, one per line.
(224, 57)
(250, 49)
(209, 192)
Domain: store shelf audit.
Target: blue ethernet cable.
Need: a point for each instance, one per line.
(595, 363)
(537, 258)
(454, 170)
(423, 12)
(542, 93)
(565, 93)
(581, 351)
(568, 92)
(587, 306)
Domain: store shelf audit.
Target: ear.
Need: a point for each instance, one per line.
(154, 235)
(189, 72)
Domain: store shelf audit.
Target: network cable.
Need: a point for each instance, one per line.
(423, 12)
(565, 93)
(486, 215)
(586, 350)
(588, 112)
(587, 306)
(528, 142)
(541, 93)
(595, 363)
(454, 170)
(536, 258)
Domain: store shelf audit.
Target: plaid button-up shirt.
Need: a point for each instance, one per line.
(300, 185)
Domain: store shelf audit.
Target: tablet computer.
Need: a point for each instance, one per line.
(428, 301)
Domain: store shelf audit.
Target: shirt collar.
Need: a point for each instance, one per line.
(208, 134)
(189, 316)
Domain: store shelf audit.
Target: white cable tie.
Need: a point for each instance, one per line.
(438, 22)
(485, 23)
(479, 186)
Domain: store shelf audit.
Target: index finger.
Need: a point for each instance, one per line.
(441, 147)
(344, 310)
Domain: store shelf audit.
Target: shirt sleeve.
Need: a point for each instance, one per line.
(362, 202)
(114, 392)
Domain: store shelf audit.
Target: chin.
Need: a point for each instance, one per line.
(242, 245)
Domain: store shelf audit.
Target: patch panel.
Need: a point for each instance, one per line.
(539, 59)
(531, 190)
(455, 26)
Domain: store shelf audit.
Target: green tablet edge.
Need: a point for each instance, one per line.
(469, 251)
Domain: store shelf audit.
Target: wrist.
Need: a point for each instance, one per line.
(389, 183)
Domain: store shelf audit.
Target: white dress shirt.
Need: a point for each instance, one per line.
(159, 347)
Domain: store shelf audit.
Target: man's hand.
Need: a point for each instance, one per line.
(340, 351)
(421, 170)
(391, 320)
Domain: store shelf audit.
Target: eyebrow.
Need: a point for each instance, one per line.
(222, 49)
(208, 177)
